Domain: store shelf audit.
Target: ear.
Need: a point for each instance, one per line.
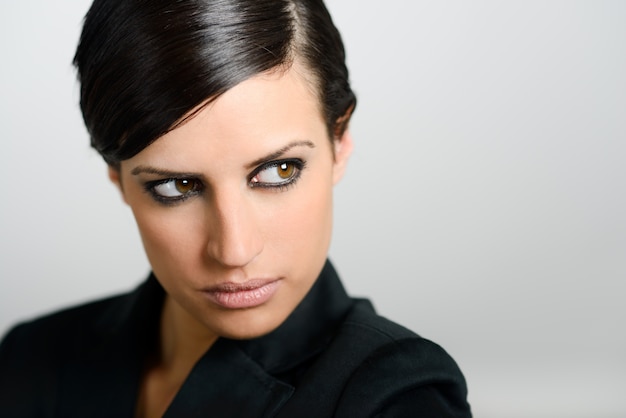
(343, 150)
(115, 176)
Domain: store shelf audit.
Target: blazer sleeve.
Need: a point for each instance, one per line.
(27, 384)
(410, 377)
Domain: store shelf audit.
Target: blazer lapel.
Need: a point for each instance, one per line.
(255, 378)
(227, 383)
(252, 378)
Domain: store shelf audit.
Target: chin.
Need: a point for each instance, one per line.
(248, 324)
(256, 321)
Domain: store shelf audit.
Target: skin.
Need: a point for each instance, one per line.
(229, 230)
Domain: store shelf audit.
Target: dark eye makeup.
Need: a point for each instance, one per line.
(276, 175)
(173, 190)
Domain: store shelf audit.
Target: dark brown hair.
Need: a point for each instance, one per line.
(144, 65)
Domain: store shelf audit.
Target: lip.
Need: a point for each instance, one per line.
(242, 295)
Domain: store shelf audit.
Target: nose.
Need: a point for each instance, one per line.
(234, 237)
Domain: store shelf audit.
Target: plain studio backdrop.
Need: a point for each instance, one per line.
(484, 206)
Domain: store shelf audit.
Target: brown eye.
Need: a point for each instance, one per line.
(277, 173)
(285, 170)
(184, 185)
(176, 188)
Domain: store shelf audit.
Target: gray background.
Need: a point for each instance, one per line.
(484, 206)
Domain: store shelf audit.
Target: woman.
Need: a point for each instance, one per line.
(225, 127)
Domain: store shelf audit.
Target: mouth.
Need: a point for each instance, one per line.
(242, 295)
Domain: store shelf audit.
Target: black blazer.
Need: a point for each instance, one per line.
(333, 357)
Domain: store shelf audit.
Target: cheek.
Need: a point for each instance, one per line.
(170, 236)
(305, 223)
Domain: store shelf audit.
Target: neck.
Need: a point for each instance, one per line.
(183, 338)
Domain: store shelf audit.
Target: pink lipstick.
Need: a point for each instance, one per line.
(242, 295)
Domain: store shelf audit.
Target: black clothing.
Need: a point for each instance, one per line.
(332, 357)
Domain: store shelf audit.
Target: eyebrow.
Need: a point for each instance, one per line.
(142, 169)
(279, 153)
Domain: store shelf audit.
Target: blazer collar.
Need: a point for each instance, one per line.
(308, 329)
(233, 378)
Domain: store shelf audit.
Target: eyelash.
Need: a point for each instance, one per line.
(297, 163)
(151, 186)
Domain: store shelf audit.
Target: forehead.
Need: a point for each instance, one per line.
(258, 115)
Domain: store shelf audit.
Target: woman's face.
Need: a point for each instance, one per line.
(234, 206)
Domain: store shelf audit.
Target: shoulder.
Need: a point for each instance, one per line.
(53, 329)
(80, 322)
(363, 321)
(33, 353)
(394, 371)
